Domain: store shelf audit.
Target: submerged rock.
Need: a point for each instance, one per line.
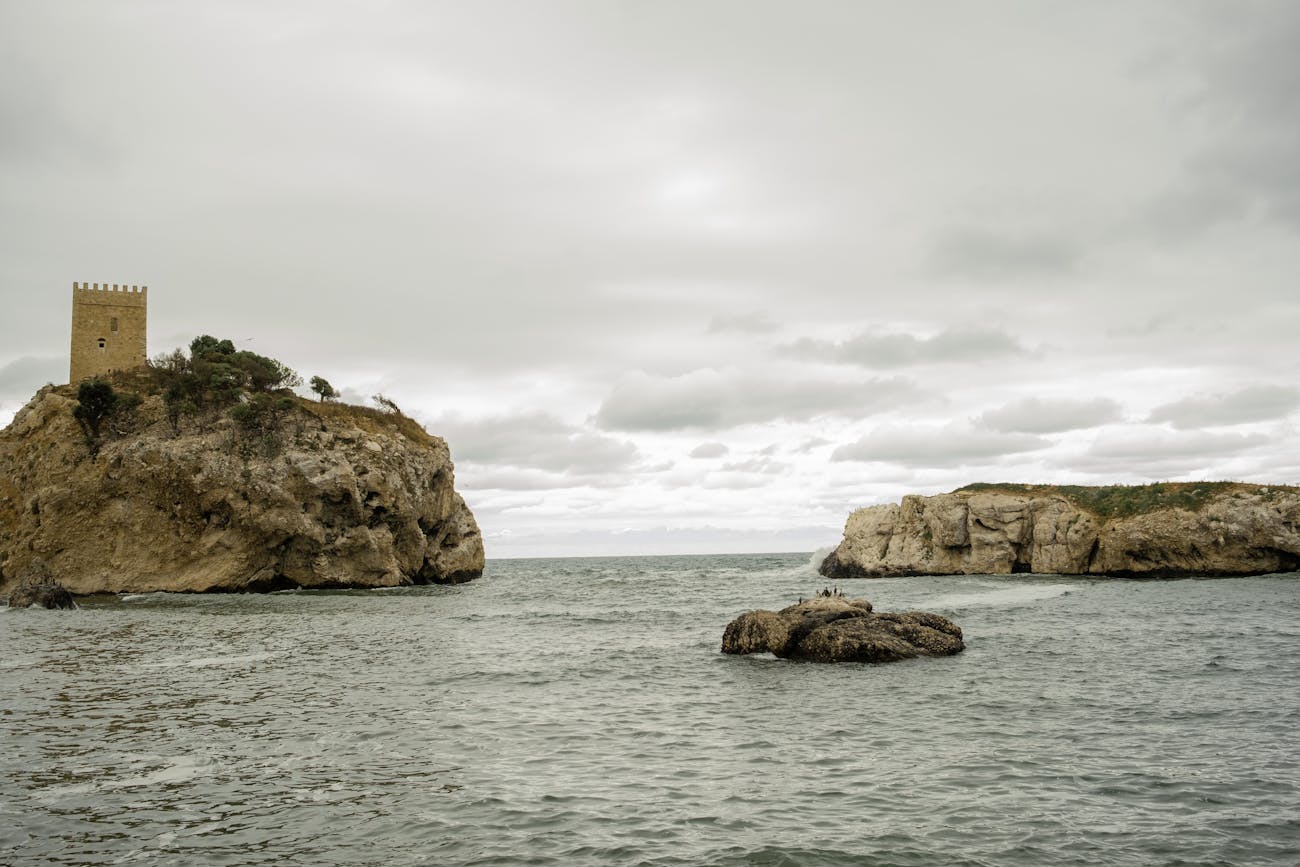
(48, 594)
(832, 628)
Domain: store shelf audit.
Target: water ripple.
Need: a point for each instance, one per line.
(578, 713)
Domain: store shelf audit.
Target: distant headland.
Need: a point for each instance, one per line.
(1164, 530)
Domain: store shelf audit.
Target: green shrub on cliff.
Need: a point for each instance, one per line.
(205, 345)
(1121, 501)
(259, 418)
(214, 379)
(264, 374)
(98, 403)
(216, 375)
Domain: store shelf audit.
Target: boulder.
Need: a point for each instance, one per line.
(47, 594)
(833, 628)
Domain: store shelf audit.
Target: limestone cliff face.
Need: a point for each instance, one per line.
(346, 497)
(1207, 529)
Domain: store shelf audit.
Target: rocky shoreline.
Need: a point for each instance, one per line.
(1151, 531)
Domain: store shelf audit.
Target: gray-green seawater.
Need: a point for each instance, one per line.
(578, 712)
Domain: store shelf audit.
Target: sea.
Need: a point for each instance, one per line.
(579, 712)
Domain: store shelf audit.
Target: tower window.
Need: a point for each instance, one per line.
(103, 343)
(113, 325)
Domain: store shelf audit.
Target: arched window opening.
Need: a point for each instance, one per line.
(103, 344)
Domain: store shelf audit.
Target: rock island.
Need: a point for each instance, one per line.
(830, 627)
(204, 473)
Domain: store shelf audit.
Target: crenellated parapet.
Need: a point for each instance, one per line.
(108, 328)
(121, 295)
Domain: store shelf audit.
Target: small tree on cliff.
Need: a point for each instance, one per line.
(96, 401)
(264, 374)
(205, 345)
(321, 386)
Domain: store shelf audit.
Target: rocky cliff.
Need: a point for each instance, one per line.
(330, 495)
(1156, 531)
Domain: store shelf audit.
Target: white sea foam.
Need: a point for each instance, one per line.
(222, 661)
(1004, 597)
(177, 769)
(214, 661)
(815, 561)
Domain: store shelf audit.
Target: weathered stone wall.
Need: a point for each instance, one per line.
(108, 329)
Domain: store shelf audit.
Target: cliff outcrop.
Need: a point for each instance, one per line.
(1156, 531)
(329, 495)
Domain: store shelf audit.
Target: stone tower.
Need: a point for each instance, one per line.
(108, 329)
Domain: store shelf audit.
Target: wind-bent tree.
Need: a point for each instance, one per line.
(321, 386)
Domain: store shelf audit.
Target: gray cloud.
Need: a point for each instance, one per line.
(1252, 80)
(1048, 415)
(652, 539)
(937, 447)
(710, 398)
(901, 350)
(1242, 115)
(22, 377)
(1162, 454)
(812, 443)
(487, 478)
(760, 464)
(416, 198)
(1251, 404)
(709, 450)
(1190, 206)
(734, 482)
(984, 253)
(1143, 445)
(533, 440)
(745, 323)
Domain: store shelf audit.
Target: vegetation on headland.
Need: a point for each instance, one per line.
(322, 387)
(227, 480)
(214, 380)
(1123, 501)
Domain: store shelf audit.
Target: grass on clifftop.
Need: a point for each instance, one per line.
(368, 418)
(1123, 501)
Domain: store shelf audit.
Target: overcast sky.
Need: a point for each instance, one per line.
(691, 276)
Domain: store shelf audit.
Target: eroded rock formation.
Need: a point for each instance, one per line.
(343, 497)
(46, 594)
(1167, 530)
(833, 628)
